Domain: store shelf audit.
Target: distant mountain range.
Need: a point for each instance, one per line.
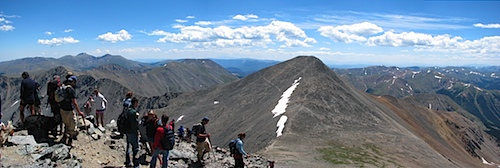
(477, 90)
(84, 61)
(328, 118)
(300, 112)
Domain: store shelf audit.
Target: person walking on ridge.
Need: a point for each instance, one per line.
(238, 156)
(202, 143)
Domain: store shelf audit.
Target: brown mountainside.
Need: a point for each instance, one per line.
(324, 117)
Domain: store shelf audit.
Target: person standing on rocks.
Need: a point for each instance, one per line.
(54, 106)
(87, 107)
(202, 143)
(127, 102)
(157, 147)
(132, 134)
(100, 105)
(238, 156)
(28, 87)
(67, 107)
(151, 123)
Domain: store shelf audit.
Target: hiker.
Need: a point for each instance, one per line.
(240, 152)
(172, 123)
(54, 106)
(69, 74)
(28, 87)
(38, 103)
(202, 139)
(188, 135)
(87, 107)
(157, 146)
(132, 134)
(100, 106)
(151, 123)
(68, 105)
(181, 133)
(127, 102)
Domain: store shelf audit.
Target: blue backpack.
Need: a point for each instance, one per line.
(168, 139)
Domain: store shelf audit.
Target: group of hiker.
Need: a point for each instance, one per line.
(62, 108)
(159, 131)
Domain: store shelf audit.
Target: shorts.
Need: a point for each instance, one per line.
(27, 102)
(69, 120)
(99, 111)
(151, 139)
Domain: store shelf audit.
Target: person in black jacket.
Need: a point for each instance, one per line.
(132, 134)
(28, 88)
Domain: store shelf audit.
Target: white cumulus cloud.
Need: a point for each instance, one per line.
(122, 35)
(486, 46)
(203, 23)
(277, 31)
(68, 30)
(245, 17)
(48, 33)
(490, 26)
(58, 41)
(412, 39)
(350, 33)
(190, 17)
(140, 49)
(7, 28)
(181, 20)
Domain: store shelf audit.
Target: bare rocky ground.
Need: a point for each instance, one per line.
(101, 150)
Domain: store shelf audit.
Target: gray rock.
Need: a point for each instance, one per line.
(61, 152)
(22, 140)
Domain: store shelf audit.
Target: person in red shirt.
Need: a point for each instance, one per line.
(157, 147)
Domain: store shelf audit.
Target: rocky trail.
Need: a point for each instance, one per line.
(96, 148)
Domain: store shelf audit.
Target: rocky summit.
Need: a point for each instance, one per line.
(96, 148)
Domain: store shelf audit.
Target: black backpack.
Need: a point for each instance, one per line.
(232, 147)
(123, 122)
(196, 129)
(168, 139)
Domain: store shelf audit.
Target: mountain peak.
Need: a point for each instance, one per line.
(83, 54)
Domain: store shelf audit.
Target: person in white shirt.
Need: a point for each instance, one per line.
(100, 104)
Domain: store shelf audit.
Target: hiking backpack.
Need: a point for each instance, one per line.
(232, 147)
(168, 139)
(61, 94)
(123, 123)
(196, 129)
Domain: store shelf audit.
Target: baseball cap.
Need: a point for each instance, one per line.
(205, 119)
(72, 78)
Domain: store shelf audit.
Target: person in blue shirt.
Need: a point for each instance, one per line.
(238, 157)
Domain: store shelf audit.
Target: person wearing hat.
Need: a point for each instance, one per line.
(202, 139)
(28, 87)
(68, 105)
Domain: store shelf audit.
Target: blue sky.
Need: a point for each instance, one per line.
(391, 33)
